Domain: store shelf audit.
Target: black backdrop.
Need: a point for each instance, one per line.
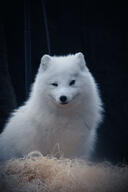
(96, 28)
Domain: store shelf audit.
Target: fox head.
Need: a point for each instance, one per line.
(62, 79)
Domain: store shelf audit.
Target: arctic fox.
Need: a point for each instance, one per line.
(63, 111)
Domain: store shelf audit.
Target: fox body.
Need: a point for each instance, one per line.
(62, 113)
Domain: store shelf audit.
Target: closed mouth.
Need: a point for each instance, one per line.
(60, 103)
(64, 103)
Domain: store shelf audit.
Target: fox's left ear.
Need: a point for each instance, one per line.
(81, 60)
(45, 60)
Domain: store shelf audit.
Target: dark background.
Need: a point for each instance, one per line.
(96, 28)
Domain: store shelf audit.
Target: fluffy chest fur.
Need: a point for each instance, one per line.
(60, 133)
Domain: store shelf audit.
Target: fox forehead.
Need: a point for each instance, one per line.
(62, 63)
(63, 68)
(67, 75)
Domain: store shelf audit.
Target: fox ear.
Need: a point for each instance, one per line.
(45, 60)
(81, 61)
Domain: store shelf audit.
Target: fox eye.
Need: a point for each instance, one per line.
(54, 84)
(72, 82)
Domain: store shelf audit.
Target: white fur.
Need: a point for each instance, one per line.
(44, 124)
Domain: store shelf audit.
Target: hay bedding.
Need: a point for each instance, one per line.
(36, 173)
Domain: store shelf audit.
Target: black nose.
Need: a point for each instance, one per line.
(63, 98)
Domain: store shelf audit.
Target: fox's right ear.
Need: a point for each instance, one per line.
(45, 60)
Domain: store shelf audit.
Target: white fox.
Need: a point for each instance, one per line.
(64, 109)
